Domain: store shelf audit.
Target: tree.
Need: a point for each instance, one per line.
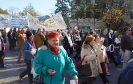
(114, 18)
(3, 11)
(63, 7)
(47, 17)
(21, 13)
(30, 9)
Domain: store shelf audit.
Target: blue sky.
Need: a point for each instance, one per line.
(45, 7)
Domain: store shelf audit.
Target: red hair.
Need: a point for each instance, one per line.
(53, 34)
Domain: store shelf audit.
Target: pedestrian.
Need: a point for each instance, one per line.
(2, 50)
(126, 76)
(126, 45)
(117, 41)
(39, 38)
(52, 61)
(101, 52)
(20, 40)
(27, 47)
(11, 38)
(91, 58)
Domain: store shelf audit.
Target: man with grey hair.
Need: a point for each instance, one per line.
(126, 45)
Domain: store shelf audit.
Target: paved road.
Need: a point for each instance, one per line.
(9, 75)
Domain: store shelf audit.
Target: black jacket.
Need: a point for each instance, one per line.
(66, 42)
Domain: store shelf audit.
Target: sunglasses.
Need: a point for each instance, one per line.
(129, 30)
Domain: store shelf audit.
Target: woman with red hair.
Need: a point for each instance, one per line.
(52, 61)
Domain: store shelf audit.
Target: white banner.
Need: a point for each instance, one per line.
(18, 21)
(53, 23)
(4, 20)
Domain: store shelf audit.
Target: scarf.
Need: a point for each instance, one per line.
(32, 43)
(54, 50)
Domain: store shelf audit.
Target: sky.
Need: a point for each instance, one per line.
(44, 7)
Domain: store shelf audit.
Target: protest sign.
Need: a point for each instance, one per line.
(53, 23)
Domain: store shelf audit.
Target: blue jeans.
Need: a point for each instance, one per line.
(117, 51)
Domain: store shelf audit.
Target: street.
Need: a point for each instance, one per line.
(9, 75)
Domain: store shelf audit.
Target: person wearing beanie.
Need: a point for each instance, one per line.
(27, 49)
(52, 61)
(126, 45)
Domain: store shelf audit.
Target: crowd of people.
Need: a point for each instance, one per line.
(56, 50)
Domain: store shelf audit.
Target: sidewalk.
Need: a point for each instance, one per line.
(9, 75)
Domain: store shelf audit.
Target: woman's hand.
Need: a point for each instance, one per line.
(76, 79)
(31, 52)
(101, 42)
(51, 72)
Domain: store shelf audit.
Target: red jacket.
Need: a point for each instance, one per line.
(3, 44)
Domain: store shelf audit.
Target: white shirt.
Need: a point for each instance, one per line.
(117, 41)
(69, 40)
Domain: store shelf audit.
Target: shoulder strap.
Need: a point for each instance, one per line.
(82, 59)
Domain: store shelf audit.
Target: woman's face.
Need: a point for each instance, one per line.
(31, 37)
(97, 40)
(105, 31)
(54, 42)
(91, 43)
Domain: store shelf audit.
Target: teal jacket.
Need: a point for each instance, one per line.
(46, 59)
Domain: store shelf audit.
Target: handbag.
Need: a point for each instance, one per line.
(39, 79)
(84, 70)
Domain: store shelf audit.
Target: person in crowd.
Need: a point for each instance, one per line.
(103, 36)
(68, 42)
(43, 31)
(110, 36)
(15, 39)
(39, 39)
(27, 31)
(19, 30)
(117, 41)
(61, 39)
(101, 52)
(27, 47)
(92, 32)
(11, 38)
(34, 32)
(4, 35)
(20, 40)
(126, 45)
(110, 49)
(78, 41)
(91, 58)
(52, 61)
(126, 76)
(2, 50)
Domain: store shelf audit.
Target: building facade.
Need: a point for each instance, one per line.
(93, 23)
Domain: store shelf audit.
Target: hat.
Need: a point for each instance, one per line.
(53, 34)
(126, 28)
(28, 34)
